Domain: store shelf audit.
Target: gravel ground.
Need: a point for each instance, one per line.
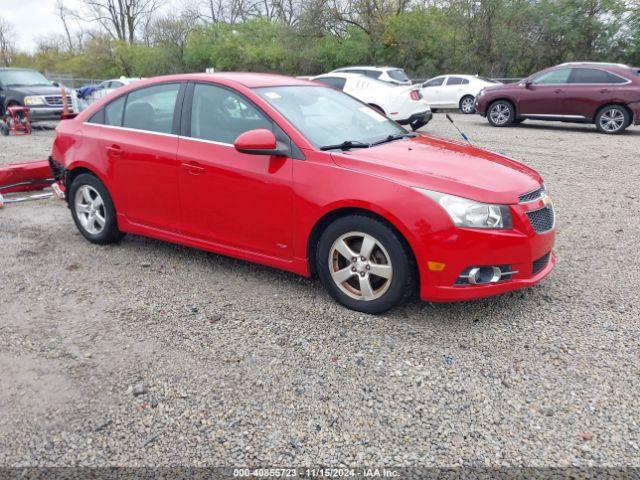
(147, 353)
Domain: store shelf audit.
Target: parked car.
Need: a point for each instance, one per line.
(301, 177)
(403, 104)
(455, 91)
(105, 88)
(25, 87)
(393, 75)
(607, 94)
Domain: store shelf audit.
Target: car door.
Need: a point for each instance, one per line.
(453, 90)
(544, 95)
(141, 154)
(588, 89)
(230, 198)
(432, 90)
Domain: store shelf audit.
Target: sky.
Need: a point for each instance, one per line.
(32, 19)
(35, 18)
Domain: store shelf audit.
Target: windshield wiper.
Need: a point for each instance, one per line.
(346, 145)
(395, 136)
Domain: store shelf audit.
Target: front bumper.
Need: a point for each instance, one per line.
(417, 120)
(460, 248)
(43, 114)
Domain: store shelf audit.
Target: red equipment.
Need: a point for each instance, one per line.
(18, 121)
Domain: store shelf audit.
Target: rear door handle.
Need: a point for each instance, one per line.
(193, 168)
(558, 90)
(114, 151)
(605, 90)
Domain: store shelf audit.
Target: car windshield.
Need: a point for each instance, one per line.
(23, 78)
(326, 116)
(398, 74)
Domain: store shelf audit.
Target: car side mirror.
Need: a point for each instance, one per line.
(528, 84)
(260, 142)
(55, 84)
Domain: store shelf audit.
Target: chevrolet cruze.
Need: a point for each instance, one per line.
(301, 177)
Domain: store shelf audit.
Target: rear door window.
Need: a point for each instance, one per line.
(152, 108)
(457, 81)
(220, 115)
(113, 112)
(594, 76)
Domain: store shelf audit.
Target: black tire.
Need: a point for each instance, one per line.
(434, 110)
(109, 232)
(501, 113)
(463, 106)
(4, 129)
(612, 119)
(389, 244)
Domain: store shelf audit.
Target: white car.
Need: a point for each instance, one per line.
(403, 104)
(384, 74)
(108, 86)
(455, 91)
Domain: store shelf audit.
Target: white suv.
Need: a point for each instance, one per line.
(386, 74)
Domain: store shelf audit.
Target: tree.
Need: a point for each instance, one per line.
(7, 46)
(121, 19)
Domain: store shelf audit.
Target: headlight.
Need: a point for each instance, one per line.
(470, 214)
(33, 100)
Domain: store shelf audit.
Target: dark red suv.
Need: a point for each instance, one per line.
(606, 94)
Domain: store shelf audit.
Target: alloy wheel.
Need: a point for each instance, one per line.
(467, 105)
(612, 120)
(90, 209)
(360, 266)
(500, 114)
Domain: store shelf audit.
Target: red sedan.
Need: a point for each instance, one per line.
(301, 177)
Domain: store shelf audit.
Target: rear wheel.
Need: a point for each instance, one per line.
(612, 119)
(364, 264)
(467, 104)
(501, 113)
(93, 211)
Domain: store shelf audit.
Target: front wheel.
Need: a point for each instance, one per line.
(501, 113)
(93, 211)
(467, 105)
(364, 264)
(612, 119)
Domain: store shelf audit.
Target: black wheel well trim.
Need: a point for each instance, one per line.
(614, 104)
(71, 176)
(330, 217)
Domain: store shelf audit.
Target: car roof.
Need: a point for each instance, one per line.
(366, 67)
(353, 76)
(594, 64)
(2, 69)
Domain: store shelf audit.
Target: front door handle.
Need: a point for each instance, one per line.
(605, 90)
(558, 90)
(114, 151)
(193, 168)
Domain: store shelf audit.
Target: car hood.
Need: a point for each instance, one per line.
(445, 166)
(40, 90)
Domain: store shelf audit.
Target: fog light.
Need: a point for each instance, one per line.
(482, 275)
(485, 275)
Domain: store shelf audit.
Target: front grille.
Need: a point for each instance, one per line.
(540, 263)
(531, 196)
(57, 100)
(542, 220)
